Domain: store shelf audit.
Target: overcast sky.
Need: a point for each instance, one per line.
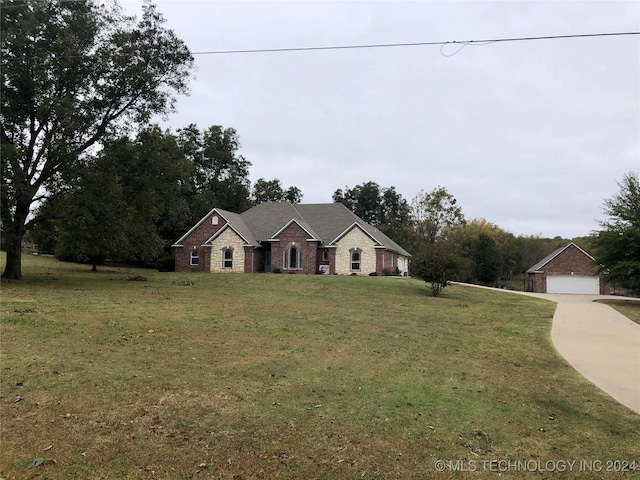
(531, 136)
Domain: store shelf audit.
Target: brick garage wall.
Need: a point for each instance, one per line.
(201, 234)
(386, 261)
(294, 234)
(536, 283)
(571, 260)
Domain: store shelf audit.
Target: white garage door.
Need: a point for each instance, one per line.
(573, 284)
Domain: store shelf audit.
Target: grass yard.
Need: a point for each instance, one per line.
(292, 377)
(629, 308)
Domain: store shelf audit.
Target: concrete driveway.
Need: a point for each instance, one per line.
(600, 343)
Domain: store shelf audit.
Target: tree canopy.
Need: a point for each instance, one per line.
(617, 244)
(272, 191)
(72, 73)
(384, 208)
(435, 213)
(220, 175)
(487, 261)
(438, 264)
(157, 185)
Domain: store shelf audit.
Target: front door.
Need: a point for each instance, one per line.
(267, 258)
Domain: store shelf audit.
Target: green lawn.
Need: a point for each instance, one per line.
(286, 376)
(629, 308)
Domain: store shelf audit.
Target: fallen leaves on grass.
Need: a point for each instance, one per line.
(137, 278)
(36, 462)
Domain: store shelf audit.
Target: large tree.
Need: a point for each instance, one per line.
(221, 174)
(272, 191)
(435, 213)
(487, 260)
(384, 208)
(94, 220)
(363, 200)
(617, 244)
(127, 202)
(71, 73)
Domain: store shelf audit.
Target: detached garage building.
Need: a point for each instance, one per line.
(569, 269)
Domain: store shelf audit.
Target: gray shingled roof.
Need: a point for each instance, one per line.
(324, 221)
(236, 221)
(266, 219)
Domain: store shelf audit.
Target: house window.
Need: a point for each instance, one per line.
(292, 259)
(325, 256)
(227, 258)
(355, 260)
(195, 258)
(214, 220)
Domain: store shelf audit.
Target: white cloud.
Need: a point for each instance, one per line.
(530, 135)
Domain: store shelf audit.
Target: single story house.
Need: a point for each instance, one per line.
(280, 236)
(568, 269)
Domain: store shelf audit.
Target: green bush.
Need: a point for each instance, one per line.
(438, 265)
(387, 272)
(166, 264)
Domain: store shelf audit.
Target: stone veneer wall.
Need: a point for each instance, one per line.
(356, 238)
(227, 239)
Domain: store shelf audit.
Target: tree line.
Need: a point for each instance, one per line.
(445, 245)
(87, 177)
(135, 197)
(77, 79)
(480, 252)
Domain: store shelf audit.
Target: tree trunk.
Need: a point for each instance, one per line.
(13, 268)
(94, 264)
(14, 233)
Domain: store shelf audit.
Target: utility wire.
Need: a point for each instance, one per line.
(413, 44)
(461, 44)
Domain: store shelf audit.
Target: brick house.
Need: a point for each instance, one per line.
(568, 269)
(279, 236)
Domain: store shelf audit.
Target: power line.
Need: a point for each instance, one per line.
(460, 43)
(412, 44)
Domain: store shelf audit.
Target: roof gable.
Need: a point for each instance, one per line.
(226, 227)
(349, 229)
(302, 224)
(193, 229)
(266, 219)
(331, 220)
(230, 218)
(542, 263)
(323, 222)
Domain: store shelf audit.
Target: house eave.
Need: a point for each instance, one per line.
(192, 229)
(293, 220)
(351, 227)
(219, 232)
